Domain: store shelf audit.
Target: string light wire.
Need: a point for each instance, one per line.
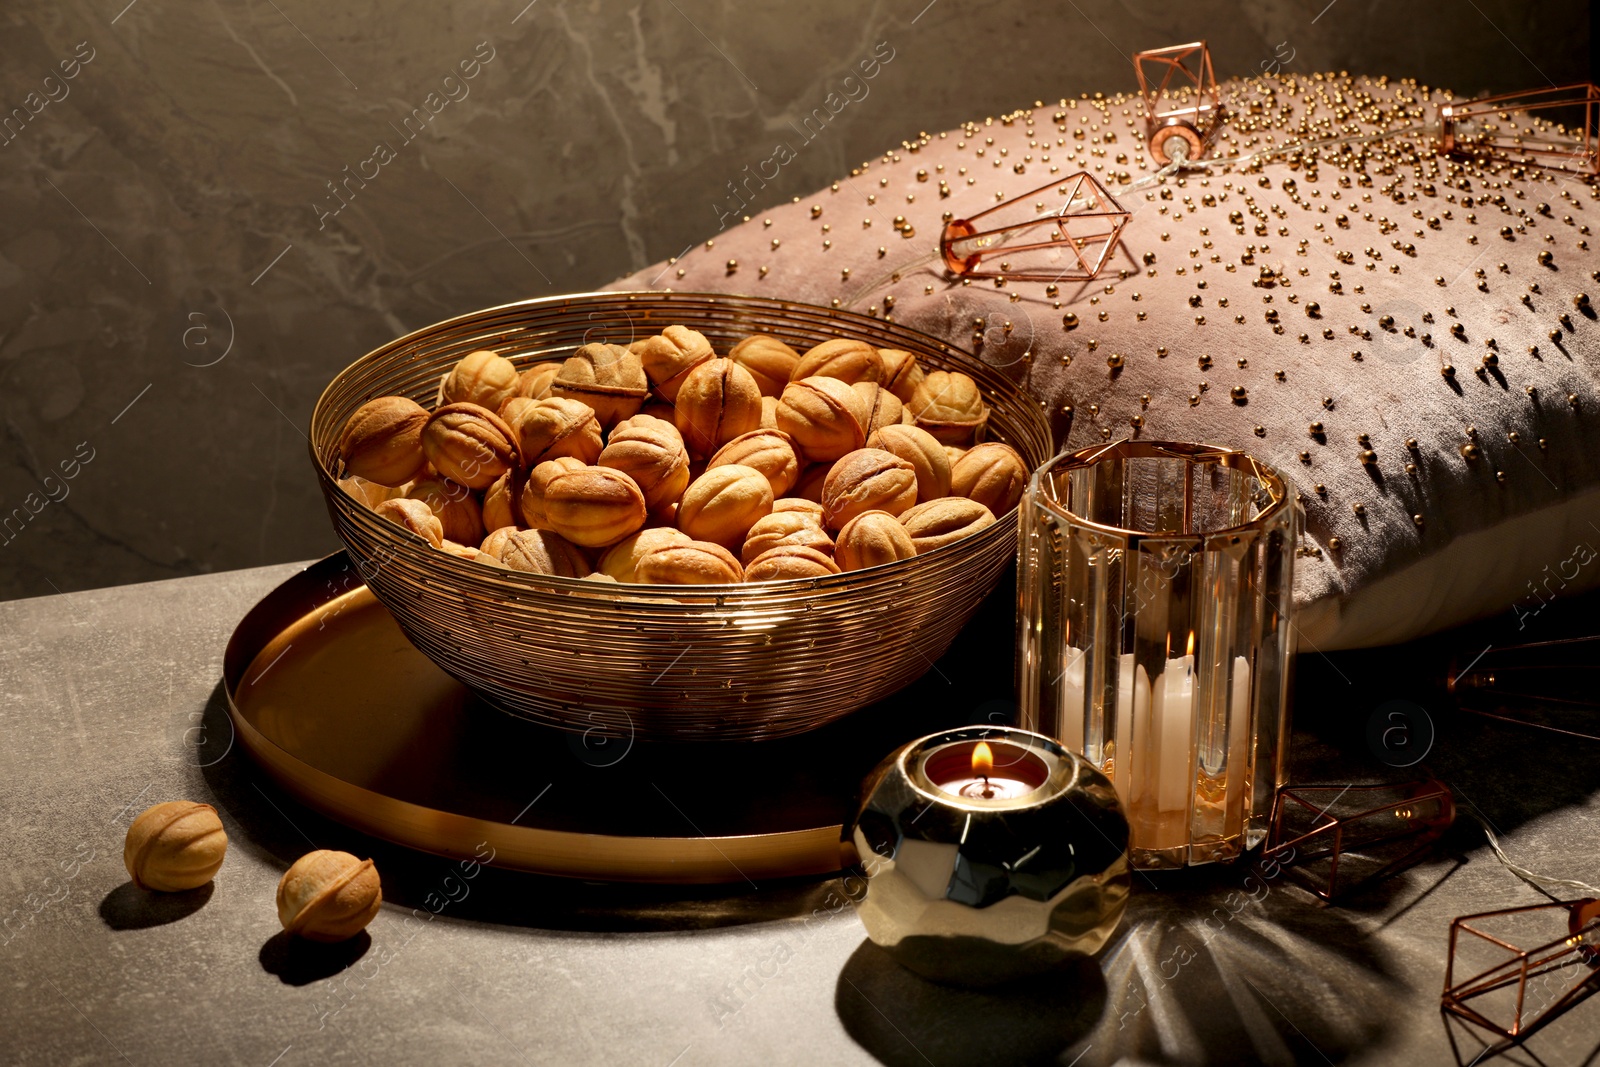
(1554, 888)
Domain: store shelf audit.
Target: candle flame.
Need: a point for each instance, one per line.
(982, 760)
(1190, 652)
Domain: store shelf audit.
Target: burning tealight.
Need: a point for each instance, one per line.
(968, 769)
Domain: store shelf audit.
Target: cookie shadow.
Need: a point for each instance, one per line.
(298, 962)
(127, 907)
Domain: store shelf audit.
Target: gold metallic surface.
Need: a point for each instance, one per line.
(722, 662)
(1175, 139)
(327, 695)
(976, 892)
(333, 702)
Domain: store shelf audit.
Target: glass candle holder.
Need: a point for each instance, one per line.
(1156, 586)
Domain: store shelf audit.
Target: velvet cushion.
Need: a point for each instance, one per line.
(1250, 305)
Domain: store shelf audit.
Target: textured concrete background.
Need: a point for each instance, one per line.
(178, 281)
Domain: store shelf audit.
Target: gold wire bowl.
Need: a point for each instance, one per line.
(724, 662)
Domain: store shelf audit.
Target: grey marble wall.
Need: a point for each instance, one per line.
(207, 209)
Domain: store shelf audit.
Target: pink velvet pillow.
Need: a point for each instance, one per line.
(1408, 337)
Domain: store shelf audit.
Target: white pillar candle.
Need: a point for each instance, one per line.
(1175, 706)
(1239, 740)
(1133, 702)
(1072, 713)
(1239, 702)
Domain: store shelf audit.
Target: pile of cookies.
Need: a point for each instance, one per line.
(664, 463)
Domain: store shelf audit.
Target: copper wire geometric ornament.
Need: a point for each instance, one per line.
(1550, 685)
(1335, 839)
(1063, 231)
(1559, 134)
(1182, 106)
(1512, 990)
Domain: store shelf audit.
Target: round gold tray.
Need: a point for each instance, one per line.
(333, 702)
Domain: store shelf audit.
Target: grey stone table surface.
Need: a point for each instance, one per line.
(110, 700)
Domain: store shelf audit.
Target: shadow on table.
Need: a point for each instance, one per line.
(299, 962)
(901, 1018)
(1216, 965)
(127, 907)
(1190, 980)
(1244, 971)
(1472, 1047)
(1487, 763)
(278, 829)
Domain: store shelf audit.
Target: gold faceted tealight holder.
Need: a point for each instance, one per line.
(1182, 104)
(1064, 231)
(1156, 595)
(988, 854)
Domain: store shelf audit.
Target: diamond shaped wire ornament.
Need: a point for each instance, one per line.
(1560, 131)
(1061, 232)
(1523, 988)
(1338, 838)
(1548, 685)
(1182, 105)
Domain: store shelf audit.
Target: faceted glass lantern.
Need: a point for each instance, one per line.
(1156, 586)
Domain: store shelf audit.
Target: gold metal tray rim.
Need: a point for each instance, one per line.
(697, 860)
